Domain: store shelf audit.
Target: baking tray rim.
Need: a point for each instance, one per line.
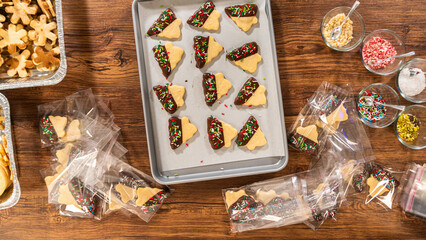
(147, 114)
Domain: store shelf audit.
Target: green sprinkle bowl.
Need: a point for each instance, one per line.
(419, 111)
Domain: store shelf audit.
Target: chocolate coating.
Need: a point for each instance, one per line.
(162, 57)
(303, 143)
(175, 132)
(247, 131)
(166, 99)
(246, 210)
(246, 91)
(201, 15)
(210, 88)
(281, 208)
(215, 133)
(201, 44)
(246, 10)
(163, 21)
(244, 51)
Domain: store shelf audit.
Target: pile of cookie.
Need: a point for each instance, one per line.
(6, 177)
(215, 85)
(28, 37)
(88, 176)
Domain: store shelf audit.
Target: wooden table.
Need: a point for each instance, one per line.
(101, 55)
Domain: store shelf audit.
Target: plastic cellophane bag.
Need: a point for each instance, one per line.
(131, 190)
(322, 115)
(382, 184)
(412, 194)
(324, 196)
(346, 144)
(88, 162)
(282, 201)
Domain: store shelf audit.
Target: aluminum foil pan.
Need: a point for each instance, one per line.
(11, 196)
(41, 78)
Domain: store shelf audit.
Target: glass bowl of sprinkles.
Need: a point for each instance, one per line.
(377, 47)
(353, 30)
(410, 127)
(371, 105)
(411, 80)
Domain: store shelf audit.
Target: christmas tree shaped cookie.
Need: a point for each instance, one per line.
(59, 124)
(305, 139)
(250, 135)
(215, 86)
(205, 17)
(206, 48)
(246, 57)
(180, 131)
(251, 94)
(243, 15)
(220, 133)
(167, 56)
(170, 96)
(167, 25)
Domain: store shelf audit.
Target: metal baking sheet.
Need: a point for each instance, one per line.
(11, 196)
(197, 161)
(39, 79)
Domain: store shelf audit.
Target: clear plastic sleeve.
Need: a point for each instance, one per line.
(412, 194)
(282, 201)
(321, 116)
(132, 190)
(382, 185)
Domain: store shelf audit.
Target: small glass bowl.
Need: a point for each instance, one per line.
(419, 111)
(413, 63)
(389, 95)
(358, 27)
(396, 42)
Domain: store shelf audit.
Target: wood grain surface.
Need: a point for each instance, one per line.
(101, 55)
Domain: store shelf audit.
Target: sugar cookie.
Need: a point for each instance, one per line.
(220, 133)
(59, 124)
(47, 8)
(146, 193)
(266, 197)
(126, 193)
(243, 15)
(46, 60)
(21, 10)
(19, 64)
(42, 31)
(13, 38)
(246, 57)
(167, 56)
(215, 86)
(170, 96)
(305, 139)
(180, 131)
(251, 94)
(251, 135)
(167, 25)
(205, 17)
(206, 49)
(232, 197)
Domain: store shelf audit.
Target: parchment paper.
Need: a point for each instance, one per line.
(198, 152)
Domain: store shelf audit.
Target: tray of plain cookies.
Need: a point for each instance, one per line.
(210, 87)
(10, 190)
(31, 43)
